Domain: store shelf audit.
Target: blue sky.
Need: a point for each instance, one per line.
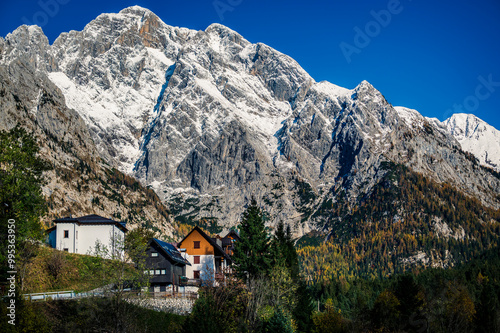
(436, 57)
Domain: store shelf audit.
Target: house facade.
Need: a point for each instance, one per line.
(208, 259)
(228, 242)
(165, 265)
(81, 234)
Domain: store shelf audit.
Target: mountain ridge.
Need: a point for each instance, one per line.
(208, 120)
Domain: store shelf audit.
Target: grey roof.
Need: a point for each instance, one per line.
(171, 251)
(92, 219)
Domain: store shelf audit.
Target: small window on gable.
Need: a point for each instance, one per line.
(66, 233)
(196, 259)
(154, 254)
(196, 244)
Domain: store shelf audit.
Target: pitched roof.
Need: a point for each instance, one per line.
(234, 234)
(92, 219)
(171, 251)
(210, 240)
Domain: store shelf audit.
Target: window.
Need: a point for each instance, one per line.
(76, 234)
(196, 244)
(146, 272)
(154, 254)
(196, 259)
(66, 233)
(151, 272)
(163, 272)
(66, 249)
(196, 274)
(157, 272)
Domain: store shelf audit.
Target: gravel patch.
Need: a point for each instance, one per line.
(180, 306)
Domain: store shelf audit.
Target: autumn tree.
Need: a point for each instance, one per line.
(329, 321)
(385, 312)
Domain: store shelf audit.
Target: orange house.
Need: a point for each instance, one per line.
(208, 259)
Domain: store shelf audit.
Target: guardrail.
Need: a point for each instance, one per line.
(70, 294)
(53, 295)
(50, 295)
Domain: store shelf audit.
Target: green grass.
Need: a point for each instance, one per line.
(77, 272)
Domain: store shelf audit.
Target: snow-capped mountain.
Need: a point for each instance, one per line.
(209, 119)
(476, 137)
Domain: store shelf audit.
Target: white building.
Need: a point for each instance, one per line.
(81, 234)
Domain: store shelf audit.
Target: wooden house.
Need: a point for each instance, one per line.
(165, 265)
(206, 255)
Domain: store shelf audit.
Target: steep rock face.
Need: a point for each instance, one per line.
(112, 73)
(80, 182)
(208, 119)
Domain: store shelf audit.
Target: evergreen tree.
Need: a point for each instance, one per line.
(278, 322)
(21, 183)
(283, 250)
(303, 308)
(251, 254)
(21, 198)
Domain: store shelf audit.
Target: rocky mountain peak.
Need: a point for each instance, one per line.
(30, 44)
(366, 92)
(221, 30)
(463, 125)
(136, 10)
(476, 137)
(208, 117)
